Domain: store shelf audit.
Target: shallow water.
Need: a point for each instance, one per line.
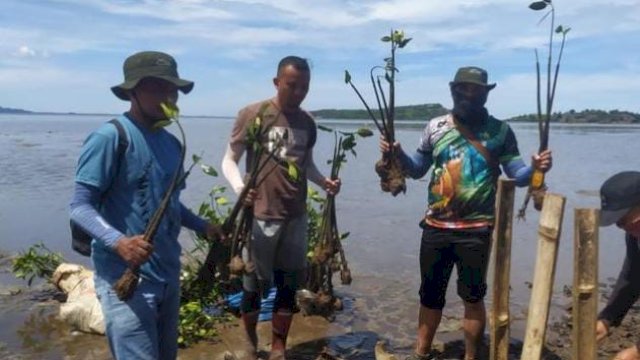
(38, 155)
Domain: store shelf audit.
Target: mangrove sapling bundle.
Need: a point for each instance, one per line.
(537, 187)
(126, 285)
(328, 255)
(389, 168)
(239, 222)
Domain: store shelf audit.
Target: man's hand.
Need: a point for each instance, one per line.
(602, 331)
(250, 198)
(385, 147)
(134, 250)
(215, 232)
(542, 161)
(332, 187)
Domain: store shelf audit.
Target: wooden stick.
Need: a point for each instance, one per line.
(549, 229)
(585, 284)
(500, 317)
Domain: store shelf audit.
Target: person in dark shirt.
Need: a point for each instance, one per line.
(620, 205)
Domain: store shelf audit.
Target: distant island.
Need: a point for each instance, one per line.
(423, 112)
(428, 111)
(4, 110)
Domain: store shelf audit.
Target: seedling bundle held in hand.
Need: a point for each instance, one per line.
(388, 168)
(238, 223)
(537, 187)
(126, 285)
(327, 254)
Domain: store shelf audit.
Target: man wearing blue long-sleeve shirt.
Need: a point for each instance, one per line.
(466, 149)
(116, 196)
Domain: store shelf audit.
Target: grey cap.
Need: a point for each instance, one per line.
(618, 195)
(150, 64)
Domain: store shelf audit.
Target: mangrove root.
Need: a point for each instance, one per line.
(236, 265)
(126, 285)
(345, 276)
(538, 197)
(391, 175)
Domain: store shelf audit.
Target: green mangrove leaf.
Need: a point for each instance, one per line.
(566, 31)
(538, 5)
(347, 77)
(559, 29)
(364, 132)
(398, 36)
(209, 170)
(222, 201)
(348, 143)
(324, 128)
(344, 235)
(171, 111)
(385, 39)
(292, 170)
(404, 43)
(196, 158)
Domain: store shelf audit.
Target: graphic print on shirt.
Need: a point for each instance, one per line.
(462, 186)
(293, 144)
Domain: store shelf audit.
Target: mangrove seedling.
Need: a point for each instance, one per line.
(537, 186)
(328, 244)
(36, 262)
(389, 168)
(238, 223)
(126, 285)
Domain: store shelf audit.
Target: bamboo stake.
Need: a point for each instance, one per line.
(499, 331)
(585, 284)
(549, 229)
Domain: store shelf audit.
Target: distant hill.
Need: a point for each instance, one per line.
(428, 111)
(410, 112)
(4, 110)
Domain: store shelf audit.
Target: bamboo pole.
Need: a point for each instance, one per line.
(585, 284)
(500, 317)
(549, 229)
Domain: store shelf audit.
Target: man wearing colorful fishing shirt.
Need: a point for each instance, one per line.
(620, 205)
(114, 199)
(279, 232)
(465, 149)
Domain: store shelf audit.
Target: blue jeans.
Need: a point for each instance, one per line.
(145, 326)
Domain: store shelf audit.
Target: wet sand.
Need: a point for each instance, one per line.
(30, 314)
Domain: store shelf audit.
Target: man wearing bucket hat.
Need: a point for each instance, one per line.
(466, 149)
(115, 196)
(620, 205)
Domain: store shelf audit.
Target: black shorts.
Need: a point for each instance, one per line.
(440, 249)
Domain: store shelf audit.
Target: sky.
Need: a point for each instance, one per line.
(64, 55)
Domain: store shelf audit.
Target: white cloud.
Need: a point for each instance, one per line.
(25, 51)
(242, 40)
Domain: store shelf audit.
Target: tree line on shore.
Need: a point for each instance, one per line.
(428, 111)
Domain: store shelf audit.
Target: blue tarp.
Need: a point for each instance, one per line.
(233, 301)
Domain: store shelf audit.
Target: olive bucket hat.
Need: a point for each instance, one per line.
(149, 64)
(473, 75)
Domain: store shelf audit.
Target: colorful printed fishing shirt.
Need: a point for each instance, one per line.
(462, 190)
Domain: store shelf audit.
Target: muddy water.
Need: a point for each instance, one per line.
(36, 175)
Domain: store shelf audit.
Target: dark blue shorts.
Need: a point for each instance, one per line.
(440, 249)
